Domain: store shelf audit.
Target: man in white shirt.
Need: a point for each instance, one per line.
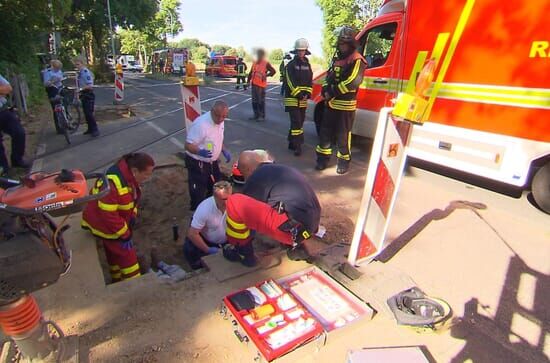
(203, 147)
(207, 231)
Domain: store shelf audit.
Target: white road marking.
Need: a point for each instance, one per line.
(272, 88)
(240, 103)
(176, 142)
(159, 129)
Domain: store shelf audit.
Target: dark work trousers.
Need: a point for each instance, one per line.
(193, 254)
(11, 125)
(258, 101)
(241, 79)
(88, 100)
(336, 125)
(282, 86)
(52, 92)
(201, 177)
(296, 131)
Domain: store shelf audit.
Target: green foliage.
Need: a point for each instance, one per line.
(25, 25)
(189, 43)
(220, 48)
(200, 54)
(233, 52)
(354, 13)
(276, 56)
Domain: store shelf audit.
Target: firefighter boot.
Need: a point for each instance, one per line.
(243, 254)
(321, 164)
(297, 150)
(342, 166)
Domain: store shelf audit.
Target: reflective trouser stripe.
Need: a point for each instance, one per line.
(296, 132)
(98, 233)
(324, 151)
(130, 272)
(115, 272)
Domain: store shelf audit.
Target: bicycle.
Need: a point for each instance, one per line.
(67, 111)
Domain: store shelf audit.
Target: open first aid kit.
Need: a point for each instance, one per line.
(280, 316)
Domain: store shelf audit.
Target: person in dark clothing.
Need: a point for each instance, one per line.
(277, 201)
(11, 125)
(340, 93)
(287, 58)
(87, 96)
(298, 83)
(241, 69)
(261, 70)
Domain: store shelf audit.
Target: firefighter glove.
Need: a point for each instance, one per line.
(226, 155)
(205, 153)
(213, 250)
(127, 245)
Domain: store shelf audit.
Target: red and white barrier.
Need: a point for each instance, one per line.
(119, 87)
(191, 103)
(386, 167)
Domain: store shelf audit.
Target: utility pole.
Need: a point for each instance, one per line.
(111, 31)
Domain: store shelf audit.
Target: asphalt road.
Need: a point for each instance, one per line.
(161, 129)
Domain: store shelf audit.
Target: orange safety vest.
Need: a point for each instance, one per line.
(259, 74)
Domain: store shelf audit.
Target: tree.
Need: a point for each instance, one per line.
(232, 52)
(220, 48)
(200, 54)
(91, 16)
(190, 43)
(276, 56)
(241, 52)
(354, 13)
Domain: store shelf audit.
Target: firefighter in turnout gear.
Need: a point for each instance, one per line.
(241, 69)
(340, 92)
(298, 82)
(112, 218)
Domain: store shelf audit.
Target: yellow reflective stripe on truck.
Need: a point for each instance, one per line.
(481, 93)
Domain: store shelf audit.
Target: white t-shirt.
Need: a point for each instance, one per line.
(210, 221)
(207, 135)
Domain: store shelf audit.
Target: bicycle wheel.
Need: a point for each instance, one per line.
(63, 123)
(72, 111)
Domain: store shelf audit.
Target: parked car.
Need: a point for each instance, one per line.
(221, 66)
(133, 66)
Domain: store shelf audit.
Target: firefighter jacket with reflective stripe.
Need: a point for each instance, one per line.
(343, 80)
(298, 82)
(259, 73)
(110, 217)
(241, 68)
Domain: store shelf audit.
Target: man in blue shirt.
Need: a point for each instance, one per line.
(87, 96)
(52, 81)
(11, 125)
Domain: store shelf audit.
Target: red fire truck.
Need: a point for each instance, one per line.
(489, 111)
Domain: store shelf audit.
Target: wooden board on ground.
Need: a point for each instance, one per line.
(224, 270)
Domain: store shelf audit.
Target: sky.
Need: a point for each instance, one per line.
(253, 23)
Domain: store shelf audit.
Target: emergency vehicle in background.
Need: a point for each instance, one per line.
(170, 60)
(221, 66)
(489, 114)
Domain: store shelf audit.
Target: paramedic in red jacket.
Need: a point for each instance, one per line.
(112, 217)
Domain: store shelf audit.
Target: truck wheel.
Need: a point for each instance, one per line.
(540, 187)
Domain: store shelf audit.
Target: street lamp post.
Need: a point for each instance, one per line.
(111, 30)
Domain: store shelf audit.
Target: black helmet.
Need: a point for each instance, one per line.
(346, 34)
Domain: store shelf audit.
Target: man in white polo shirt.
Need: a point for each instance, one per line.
(203, 147)
(207, 232)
